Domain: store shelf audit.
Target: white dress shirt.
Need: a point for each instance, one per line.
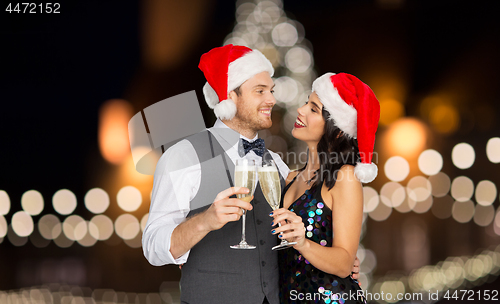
(176, 182)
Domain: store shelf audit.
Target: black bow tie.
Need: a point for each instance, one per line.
(256, 146)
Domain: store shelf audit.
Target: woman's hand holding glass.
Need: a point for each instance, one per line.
(292, 227)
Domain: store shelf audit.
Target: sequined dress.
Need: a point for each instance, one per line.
(301, 282)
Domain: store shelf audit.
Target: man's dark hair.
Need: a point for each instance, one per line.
(238, 91)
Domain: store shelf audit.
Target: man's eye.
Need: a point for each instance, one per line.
(260, 92)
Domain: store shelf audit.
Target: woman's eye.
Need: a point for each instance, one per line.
(272, 91)
(260, 92)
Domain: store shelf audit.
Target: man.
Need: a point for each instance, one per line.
(192, 218)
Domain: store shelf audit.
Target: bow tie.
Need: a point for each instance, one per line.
(256, 146)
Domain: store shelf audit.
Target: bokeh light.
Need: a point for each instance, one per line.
(442, 206)
(62, 241)
(101, 227)
(493, 150)
(285, 34)
(3, 226)
(390, 111)
(32, 202)
(484, 215)
(421, 206)
(4, 203)
(64, 202)
(463, 156)
(404, 207)
(463, 212)
(444, 118)
(144, 221)
(496, 225)
(127, 226)
(49, 226)
(430, 162)
(407, 137)
(486, 192)
(462, 188)
(286, 89)
(370, 199)
(380, 213)
(114, 116)
(129, 198)
(396, 168)
(419, 188)
(96, 200)
(22, 224)
(440, 184)
(16, 239)
(88, 240)
(298, 60)
(74, 227)
(392, 194)
(369, 262)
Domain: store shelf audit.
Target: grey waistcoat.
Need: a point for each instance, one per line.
(215, 273)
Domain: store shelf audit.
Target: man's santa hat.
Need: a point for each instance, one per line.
(354, 109)
(225, 69)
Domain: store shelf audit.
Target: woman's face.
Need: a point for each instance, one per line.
(310, 125)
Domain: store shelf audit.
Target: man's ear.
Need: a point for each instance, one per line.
(233, 96)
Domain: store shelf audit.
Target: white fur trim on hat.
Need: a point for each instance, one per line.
(366, 173)
(225, 110)
(210, 96)
(247, 66)
(344, 115)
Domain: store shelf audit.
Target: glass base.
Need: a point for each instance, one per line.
(284, 244)
(243, 245)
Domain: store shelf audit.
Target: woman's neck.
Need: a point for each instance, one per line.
(313, 159)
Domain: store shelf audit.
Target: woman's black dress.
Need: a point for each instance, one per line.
(301, 282)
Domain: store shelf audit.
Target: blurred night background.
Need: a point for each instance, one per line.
(72, 206)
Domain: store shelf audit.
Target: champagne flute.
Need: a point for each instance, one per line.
(269, 180)
(245, 175)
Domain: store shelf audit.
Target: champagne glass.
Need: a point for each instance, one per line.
(269, 180)
(245, 175)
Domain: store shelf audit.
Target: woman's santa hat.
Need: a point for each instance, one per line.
(225, 69)
(355, 110)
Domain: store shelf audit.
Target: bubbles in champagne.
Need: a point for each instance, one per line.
(271, 187)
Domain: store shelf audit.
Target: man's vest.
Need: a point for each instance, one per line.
(214, 273)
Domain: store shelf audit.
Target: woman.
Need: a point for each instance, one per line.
(326, 196)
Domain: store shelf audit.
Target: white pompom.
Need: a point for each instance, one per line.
(366, 173)
(225, 110)
(210, 96)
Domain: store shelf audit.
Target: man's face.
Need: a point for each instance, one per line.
(255, 103)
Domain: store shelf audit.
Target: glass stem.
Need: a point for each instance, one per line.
(243, 237)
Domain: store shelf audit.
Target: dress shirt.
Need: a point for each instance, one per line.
(177, 179)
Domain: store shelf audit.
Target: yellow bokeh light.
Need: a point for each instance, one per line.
(390, 111)
(444, 119)
(407, 137)
(114, 116)
(441, 113)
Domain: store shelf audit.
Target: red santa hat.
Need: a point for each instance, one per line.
(354, 109)
(225, 69)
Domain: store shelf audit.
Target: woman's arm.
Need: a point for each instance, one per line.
(347, 216)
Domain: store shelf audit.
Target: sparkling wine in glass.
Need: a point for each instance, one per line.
(245, 175)
(269, 180)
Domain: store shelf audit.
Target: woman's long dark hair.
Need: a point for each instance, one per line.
(335, 149)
